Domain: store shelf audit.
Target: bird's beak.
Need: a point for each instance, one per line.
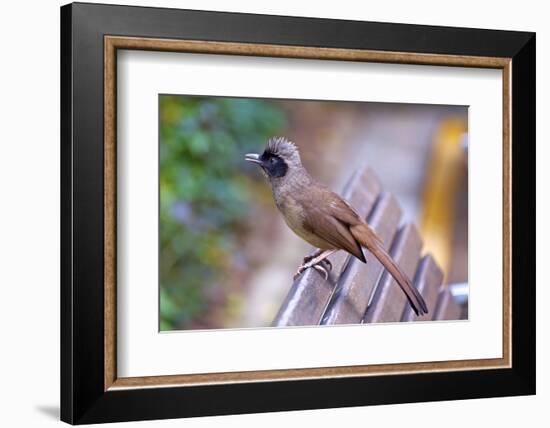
(253, 157)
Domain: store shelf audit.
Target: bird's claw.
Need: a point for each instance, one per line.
(299, 272)
(307, 259)
(329, 264)
(317, 266)
(321, 269)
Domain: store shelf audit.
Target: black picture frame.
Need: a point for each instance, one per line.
(83, 398)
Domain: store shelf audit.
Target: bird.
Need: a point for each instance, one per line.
(321, 217)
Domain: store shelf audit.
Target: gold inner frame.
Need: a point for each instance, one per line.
(112, 43)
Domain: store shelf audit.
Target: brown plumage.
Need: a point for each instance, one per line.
(323, 218)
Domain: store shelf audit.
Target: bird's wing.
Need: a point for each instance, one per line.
(331, 221)
(353, 234)
(345, 213)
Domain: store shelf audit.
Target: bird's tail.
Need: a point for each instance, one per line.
(368, 239)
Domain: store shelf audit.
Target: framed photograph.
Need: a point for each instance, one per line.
(265, 213)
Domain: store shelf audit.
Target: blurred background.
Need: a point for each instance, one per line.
(226, 256)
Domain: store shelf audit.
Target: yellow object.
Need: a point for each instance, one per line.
(443, 177)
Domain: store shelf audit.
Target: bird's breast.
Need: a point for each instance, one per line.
(292, 211)
(294, 214)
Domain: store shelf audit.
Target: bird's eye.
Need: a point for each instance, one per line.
(272, 160)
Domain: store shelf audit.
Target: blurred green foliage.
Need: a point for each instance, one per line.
(204, 195)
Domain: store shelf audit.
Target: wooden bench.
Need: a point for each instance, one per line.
(365, 293)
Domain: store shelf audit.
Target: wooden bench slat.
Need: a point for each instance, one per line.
(388, 302)
(427, 280)
(310, 293)
(447, 308)
(352, 293)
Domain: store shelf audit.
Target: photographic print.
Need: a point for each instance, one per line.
(285, 212)
(321, 201)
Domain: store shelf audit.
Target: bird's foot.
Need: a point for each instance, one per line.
(328, 263)
(312, 256)
(308, 259)
(322, 266)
